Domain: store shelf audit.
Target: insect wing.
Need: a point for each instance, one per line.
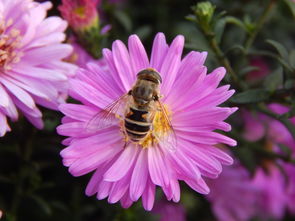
(168, 136)
(108, 116)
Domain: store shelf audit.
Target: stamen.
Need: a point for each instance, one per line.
(10, 42)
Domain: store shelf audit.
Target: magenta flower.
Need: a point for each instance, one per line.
(81, 14)
(272, 199)
(31, 67)
(190, 96)
(169, 211)
(232, 196)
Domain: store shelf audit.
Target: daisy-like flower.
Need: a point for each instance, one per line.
(190, 95)
(31, 67)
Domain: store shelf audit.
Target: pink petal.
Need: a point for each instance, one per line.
(148, 197)
(4, 127)
(198, 185)
(108, 57)
(4, 101)
(123, 164)
(138, 56)
(139, 176)
(91, 94)
(22, 95)
(157, 167)
(89, 163)
(159, 50)
(122, 63)
(78, 111)
(171, 64)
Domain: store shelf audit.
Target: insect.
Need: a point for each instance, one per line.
(145, 119)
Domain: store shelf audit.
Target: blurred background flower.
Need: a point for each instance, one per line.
(32, 70)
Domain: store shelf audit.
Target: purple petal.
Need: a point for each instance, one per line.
(122, 165)
(171, 64)
(159, 50)
(138, 56)
(139, 176)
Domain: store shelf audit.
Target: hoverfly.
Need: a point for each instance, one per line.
(144, 116)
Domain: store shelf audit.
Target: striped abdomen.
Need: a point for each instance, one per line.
(136, 124)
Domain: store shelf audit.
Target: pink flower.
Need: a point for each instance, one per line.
(81, 14)
(191, 97)
(31, 67)
(272, 197)
(277, 191)
(232, 196)
(168, 211)
(290, 172)
(79, 55)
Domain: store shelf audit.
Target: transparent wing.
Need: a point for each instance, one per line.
(167, 134)
(109, 115)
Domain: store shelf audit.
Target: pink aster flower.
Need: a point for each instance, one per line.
(272, 199)
(290, 172)
(31, 67)
(191, 97)
(232, 196)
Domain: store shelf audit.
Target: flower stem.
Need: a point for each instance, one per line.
(210, 36)
(285, 121)
(260, 22)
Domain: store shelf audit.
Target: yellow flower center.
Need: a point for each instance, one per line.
(80, 11)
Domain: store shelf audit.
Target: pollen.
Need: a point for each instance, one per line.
(160, 129)
(10, 42)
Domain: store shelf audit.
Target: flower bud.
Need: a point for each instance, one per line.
(204, 12)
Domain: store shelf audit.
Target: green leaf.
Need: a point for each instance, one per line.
(251, 96)
(235, 21)
(279, 47)
(289, 84)
(143, 32)
(219, 29)
(248, 69)
(124, 19)
(291, 6)
(292, 58)
(274, 80)
(43, 205)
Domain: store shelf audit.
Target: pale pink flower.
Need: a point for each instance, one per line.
(191, 96)
(31, 67)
